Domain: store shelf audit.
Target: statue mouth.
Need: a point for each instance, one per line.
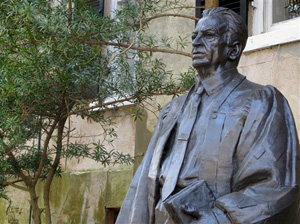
(198, 55)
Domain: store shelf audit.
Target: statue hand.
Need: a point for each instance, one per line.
(199, 216)
(191, 211)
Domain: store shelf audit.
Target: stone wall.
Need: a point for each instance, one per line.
(87, 188)
(278, 66)
(76, 197)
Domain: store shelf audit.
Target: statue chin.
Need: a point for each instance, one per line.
(200, 63)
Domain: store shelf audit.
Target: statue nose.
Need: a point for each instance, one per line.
(197, 41)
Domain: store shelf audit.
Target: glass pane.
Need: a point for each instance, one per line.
(285, 9)
(292, 8)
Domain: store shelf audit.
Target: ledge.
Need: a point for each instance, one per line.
(282, 33)
(125, 103)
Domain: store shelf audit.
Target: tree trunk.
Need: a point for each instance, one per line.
(48, 181)
(47, 201)
(36, 211)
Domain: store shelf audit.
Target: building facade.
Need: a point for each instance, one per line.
(91, 193)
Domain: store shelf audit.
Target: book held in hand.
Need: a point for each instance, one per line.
(183, 206)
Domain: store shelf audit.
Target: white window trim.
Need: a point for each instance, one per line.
(111, 106)
(287, 32)
(269, 34)
(114, 6)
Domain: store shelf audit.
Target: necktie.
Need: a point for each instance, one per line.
(183, 134)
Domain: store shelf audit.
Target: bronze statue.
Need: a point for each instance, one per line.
(225, 152)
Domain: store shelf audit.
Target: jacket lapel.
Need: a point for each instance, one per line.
(170, 118)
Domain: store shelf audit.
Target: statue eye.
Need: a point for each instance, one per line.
(194, 35)
(210, 36)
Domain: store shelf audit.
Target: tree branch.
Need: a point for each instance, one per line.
(170, 51)
(129, 46)
(183, 7)
(13, 184)
(135, 36)
(18, 169)
(170, 14)
(45, 148)
(122, 100)
(14, 162)
(6, 183)
(7, 151)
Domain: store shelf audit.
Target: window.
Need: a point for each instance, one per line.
(273, 22)
(239, 6)
(198, 12)
(270, 22)
(97, 5)
(111, 215)
(269, 14)
(111, 7)
(285, 10)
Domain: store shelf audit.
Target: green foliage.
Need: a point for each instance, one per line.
(52, 58)
(137, 113)
(188, 78)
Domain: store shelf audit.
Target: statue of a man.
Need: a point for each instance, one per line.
(225, 152)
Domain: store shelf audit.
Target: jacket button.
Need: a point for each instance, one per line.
(214, 115)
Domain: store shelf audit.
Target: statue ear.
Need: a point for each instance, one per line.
(235, 51)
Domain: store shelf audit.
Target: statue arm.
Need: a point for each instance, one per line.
(135, 206)
(267, 163)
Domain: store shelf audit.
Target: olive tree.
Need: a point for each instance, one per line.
(55, 59)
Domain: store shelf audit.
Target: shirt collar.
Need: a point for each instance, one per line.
(216, 82)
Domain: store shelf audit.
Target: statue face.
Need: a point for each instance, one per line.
(209, 43)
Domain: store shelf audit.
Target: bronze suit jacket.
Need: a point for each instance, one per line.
(250, 157)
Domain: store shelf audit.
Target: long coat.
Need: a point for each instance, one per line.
(250, 157)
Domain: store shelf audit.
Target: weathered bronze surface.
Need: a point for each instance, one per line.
(227, 151)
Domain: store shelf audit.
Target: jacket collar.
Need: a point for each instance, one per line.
(216, 82)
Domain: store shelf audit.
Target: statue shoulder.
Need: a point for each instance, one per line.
(176, 101)
(260, 98)
(259, 92)
(253, 95)
(268, 93)
(173, 106)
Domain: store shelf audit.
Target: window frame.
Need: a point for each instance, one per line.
(267, 34)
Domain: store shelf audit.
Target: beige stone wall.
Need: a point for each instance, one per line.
(86, 188)
(278, 66)
(84, 191)
(167, 27)
(86, 131)
(174, 27)
(76, 197)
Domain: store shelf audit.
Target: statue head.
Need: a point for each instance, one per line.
(219, 39)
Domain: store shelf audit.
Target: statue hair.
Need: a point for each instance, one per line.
(236, 25)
